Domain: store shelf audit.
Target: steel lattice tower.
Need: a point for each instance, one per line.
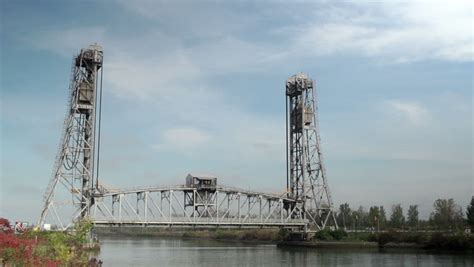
(77, 154)
(306, 174)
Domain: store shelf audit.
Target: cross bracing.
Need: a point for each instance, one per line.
(187, 206)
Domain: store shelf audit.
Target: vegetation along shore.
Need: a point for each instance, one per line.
(47, 248)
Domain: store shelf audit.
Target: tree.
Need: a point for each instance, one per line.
(359, 218)
(397, 219)
(413, 216)
(344, 217)
(383, 217)
(446, 215)
(374, 216)
(470, 213)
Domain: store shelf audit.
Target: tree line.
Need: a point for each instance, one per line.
(446, 215)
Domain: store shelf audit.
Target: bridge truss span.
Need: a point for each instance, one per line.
(182, 206)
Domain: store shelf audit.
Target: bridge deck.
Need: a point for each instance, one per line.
(210, 224)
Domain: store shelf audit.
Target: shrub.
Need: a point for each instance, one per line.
(454, 242)
(338, 234)
(17, 249)
(5, 226)
(372, 237)
(387, 237)
(328, 235)
(82, 231)
(418, 238)
(323, 235)
(34, 248)
(283, 234)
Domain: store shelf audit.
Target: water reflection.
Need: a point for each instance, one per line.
(178, 252)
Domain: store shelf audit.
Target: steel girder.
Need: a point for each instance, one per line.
(174, 206)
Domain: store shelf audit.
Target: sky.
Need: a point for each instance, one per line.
(198, 87)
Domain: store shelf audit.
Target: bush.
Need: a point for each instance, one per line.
(82, 231)
(324, 235)
(328, 235)
(18, 250)
(5, 226)
(387, 237)
(372, 238)
(455, 242)
(33, 248)
(339, 234)
(418, 238)
(283, 234)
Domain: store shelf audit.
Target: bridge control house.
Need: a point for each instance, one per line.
(201, 182)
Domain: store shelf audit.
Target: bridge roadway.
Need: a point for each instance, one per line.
(184, 206)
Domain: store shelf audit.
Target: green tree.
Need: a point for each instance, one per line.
(412, 216)
(470, 213)
(383, 217)
(446, 215)
(374, 216)
(359, 217)
(397, 219)
(344, 217)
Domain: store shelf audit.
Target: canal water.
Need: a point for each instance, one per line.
(147, 251)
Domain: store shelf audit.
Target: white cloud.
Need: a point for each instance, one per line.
(400, 32)
(184, 139)
(196, 18)
(156, 76)
(413, 112)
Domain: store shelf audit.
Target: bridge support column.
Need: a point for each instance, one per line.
(170, 208)
(120, 208)
(217, 206)
(281, 210)
(238, 203)
(146, 206)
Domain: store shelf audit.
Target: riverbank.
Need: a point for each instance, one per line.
(352, 245)
(244, 235)
(330, 244)
(388, 241)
